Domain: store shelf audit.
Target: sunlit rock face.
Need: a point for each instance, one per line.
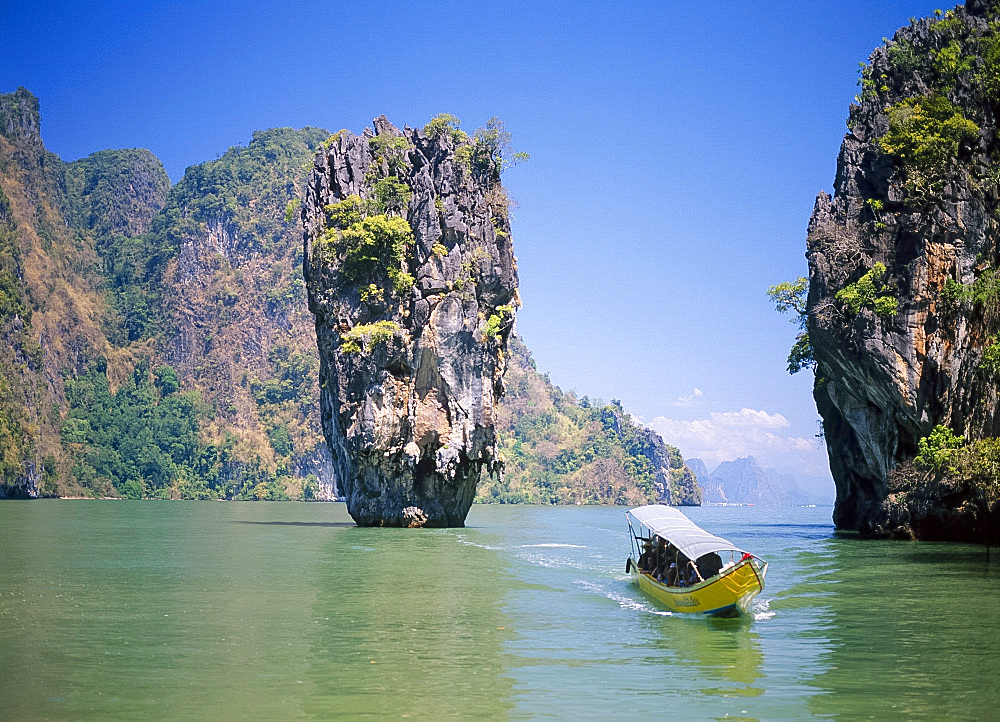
(413, 283)
(916, 190)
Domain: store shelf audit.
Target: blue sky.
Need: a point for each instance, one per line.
(676, 150)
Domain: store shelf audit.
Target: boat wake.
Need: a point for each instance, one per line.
(625, 602)
(489, 547)
(534, 554)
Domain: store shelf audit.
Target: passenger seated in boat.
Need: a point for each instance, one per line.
(693, 576)
(682, 570)
(671, 577)
(646, 558)
(666, 572)
(670, 555)
(709, 565)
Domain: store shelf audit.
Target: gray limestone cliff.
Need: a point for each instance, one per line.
(412, 279)
(895, 257)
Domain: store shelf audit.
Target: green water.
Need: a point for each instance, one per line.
(257, 610)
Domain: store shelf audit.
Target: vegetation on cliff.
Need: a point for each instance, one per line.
(107, 274)
(790, 297)
(951, 483)
(52, 306)
(225, 267)
(560, 449)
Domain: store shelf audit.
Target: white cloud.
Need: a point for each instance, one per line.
(726, 435)
(689, 399)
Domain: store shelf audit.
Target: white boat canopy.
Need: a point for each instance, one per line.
(688, 537)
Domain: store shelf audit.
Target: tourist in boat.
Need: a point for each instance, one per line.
(671, 554)
(660, 573)
(681, 570)
(646, 558)
(671, 578)
(709, 565)
(661, 552)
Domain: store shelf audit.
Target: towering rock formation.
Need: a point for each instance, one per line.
(903, 288)
(412, 278)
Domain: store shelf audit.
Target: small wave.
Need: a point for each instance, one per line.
(623, 601)
(556, 546)
(761, 609)
(488, 547)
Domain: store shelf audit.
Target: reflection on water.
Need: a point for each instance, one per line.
(329, 524)
(263, 610)
(409, 623)
(921, 619)
(144, 609)
(724, 654)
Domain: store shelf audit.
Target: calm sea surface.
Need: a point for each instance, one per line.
(264, 610)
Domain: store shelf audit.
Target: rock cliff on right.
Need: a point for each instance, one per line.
(904, 286)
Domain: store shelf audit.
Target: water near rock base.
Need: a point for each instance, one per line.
(271, 610)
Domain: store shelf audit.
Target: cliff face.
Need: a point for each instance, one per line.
(53, 314)
(155, 342)
(412, 279)
(675, 483)
(894, 259)
(233, 314)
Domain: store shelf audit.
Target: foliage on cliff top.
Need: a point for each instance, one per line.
(115, 192)
(445, 124)
(492, 152)
(266, 170)
(559, 449)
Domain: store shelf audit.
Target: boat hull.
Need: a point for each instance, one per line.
(728, 594)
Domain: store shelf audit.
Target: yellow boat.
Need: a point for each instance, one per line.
(711, 585)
